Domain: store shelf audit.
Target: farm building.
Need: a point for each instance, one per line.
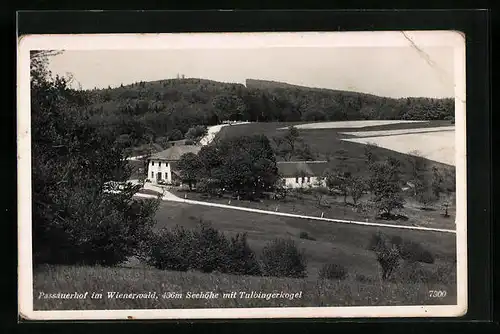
(301, 173)
(162, 165)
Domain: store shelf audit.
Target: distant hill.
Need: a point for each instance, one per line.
(269, 84)
(163, 110)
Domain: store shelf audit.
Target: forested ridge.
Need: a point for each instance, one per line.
(157, 111)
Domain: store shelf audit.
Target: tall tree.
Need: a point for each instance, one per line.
(244, 165)
(190, 167)
(76, 220)
(420, 178)
(386, 188)
(292, 145)
(356, 188)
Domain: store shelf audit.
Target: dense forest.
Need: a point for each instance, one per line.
(156, 111)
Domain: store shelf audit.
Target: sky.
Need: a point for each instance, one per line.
(384, 71)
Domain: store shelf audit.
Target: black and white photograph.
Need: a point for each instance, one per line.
(242, 175)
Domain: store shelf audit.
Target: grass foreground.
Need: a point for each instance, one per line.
(184, 290)
(341, 244)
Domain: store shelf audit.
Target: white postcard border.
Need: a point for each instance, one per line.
(234, 40)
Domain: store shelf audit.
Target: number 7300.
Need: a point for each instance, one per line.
(437, 293)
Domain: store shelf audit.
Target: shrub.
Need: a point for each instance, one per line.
(364, 279)
(305, 235)
(388, 259)
(387, 254)
(172, 249)
(333, 271)
(242, 258)
(282, 258)
(211, 249)
(412, 251)
(205, 249)
(210, 187)
(196, 132)
(391, 250)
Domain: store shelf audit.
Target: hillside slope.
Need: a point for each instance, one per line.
(157, 111)
(270, 84)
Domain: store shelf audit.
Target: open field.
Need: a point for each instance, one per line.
(313, 293)
(338, 243)
(326, 143)
(436, 146)
(335, 243)
(349, 124)
(377, 133)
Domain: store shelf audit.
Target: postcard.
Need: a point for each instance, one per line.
(242, 175)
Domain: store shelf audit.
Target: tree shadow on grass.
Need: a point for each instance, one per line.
(392, 216)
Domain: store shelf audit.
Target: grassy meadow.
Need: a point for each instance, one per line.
(314, 293)
(341, 244)
(338, 243)
(333, 207)
(325, 143)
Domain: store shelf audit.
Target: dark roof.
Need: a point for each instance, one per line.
(299, 168)
(175, 152)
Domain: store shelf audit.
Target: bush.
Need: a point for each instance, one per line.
(210, 187)
(387, 254)
(211, 249)
(196, 132)
(412, 251)
(388, 259)
(390, 251)
(172, 249)
(364, 279)
(282, 258)
(242, 258)
(205, 249)
(333, 271)
(305, 235)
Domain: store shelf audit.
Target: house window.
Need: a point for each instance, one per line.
(308, 179)
(297, 179)
(303, 179)
(152, 163)
(152, 175)
(159, 163)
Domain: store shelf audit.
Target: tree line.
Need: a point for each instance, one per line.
(147, 111)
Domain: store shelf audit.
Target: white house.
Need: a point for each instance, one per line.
(162, 165)
(302, 173)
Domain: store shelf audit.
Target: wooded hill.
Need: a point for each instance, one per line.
(148, 112)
